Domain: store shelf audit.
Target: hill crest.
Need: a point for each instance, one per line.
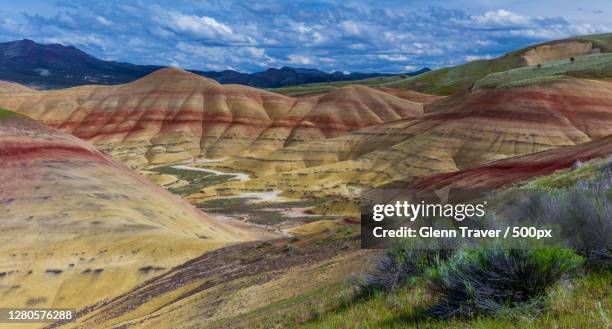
(172, 115)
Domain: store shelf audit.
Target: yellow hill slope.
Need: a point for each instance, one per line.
(77, 227)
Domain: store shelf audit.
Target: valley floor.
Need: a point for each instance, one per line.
(304, 281)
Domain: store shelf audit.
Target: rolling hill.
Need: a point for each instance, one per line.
(173, 115)
(450, 80)
(458, 132)
(460, 78)
(240, 286)
(502, 173)
(78, 227)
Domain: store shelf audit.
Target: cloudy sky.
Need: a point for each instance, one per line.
(366, 36)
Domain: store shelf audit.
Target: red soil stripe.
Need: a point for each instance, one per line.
(30, 151)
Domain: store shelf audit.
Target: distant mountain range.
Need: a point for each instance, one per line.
(57, 66)
(289, 76)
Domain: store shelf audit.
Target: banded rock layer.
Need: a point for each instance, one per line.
(457, 132)
(510, 171)
(77, 227)
(172, 115)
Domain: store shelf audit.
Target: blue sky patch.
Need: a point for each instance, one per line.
(386, 36)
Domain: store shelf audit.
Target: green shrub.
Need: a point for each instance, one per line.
(489, 281)
(584, 213)
(395, 268)
(6, 113)
(578, 206)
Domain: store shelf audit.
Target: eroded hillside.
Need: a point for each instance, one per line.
(458, 132)
(172, 116)
(77, 226)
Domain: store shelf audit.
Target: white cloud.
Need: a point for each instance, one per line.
(300, 60)
(78, 39)
(66, 19)
(256, 52)
(350, 28)
(530, 26)
(500, 17)
(393, 57)
(300, 27)
(419, 48)
(103, 21)
(43, 72)
(13, 27)
(258, 55)
(318, 38)
(357, 46)
(203, 27)
(212, 54)
(558, 31)
(471, 58)
(326, 60)
(220, 58)
(161, 32)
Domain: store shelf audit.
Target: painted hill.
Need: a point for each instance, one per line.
(173, 115)
(78, 227)
(241, 286)
(329, 147)
(57, 66)
(295, 281)
(509, 171)
(457, 132)
(11, 87)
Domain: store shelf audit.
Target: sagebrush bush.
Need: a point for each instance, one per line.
(395, 268)
(584, 212)
(489, 281)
